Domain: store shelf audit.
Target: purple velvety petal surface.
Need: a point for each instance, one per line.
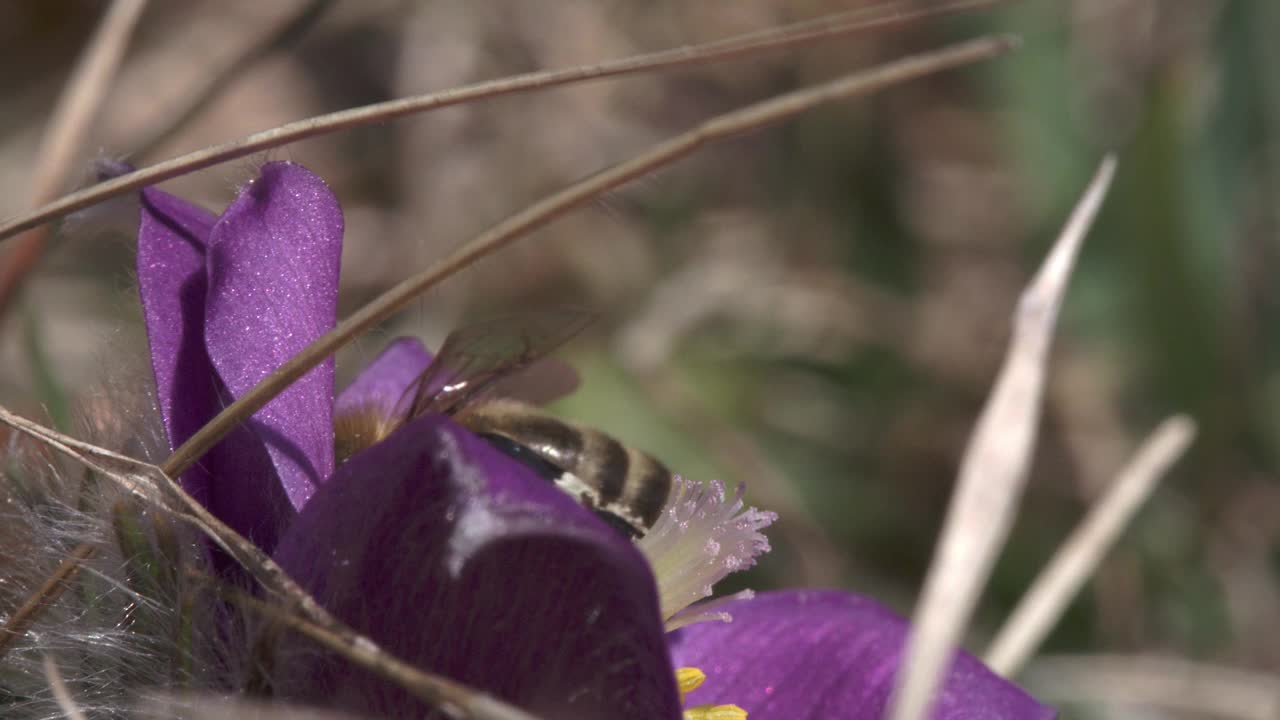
(273, 288)
(461, 561)
(172, 235)
(173, 282)
(813, 655)
(381, 385)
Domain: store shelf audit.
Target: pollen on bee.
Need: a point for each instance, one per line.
(355, 430)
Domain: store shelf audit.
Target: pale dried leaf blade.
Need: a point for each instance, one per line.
(1184, 687)
(1073, 564)
(992, 472)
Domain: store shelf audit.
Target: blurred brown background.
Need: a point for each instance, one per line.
(816, 309)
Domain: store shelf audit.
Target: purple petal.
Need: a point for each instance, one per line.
(172, 280)
(810, 655)
(462, 562)
(273, 288)
(172, 237)
(381, 385)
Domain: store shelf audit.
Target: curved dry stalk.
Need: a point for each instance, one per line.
(752, 117)
(300, 612)
(25, 616)
(1186, 687)
(79, 104)
(993, 471)
(278, 39)
(213, 706)
(455, 699)
(820, 29)
(1076, 559)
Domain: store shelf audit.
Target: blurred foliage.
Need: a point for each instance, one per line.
(834, 293)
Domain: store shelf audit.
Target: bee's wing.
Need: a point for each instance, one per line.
(542, 382)
(474, 358)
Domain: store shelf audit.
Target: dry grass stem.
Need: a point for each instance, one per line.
(189, 706)
(17, 625)
(60, 149)
(1079, 556)
(830, 27)
(1172, 684)
(453, 698)
(298, 609)
(150, 483)
(993, 470)
(58, 687)
(219, 79)
(540, 213)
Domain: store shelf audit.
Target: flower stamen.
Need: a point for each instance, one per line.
(689, 679)
(715, 712)
(702, 535)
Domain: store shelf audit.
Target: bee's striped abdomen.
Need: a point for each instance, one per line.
(603, 473)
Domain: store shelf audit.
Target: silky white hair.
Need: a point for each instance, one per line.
(135, 622)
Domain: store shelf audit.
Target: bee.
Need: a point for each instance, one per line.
(481, 378)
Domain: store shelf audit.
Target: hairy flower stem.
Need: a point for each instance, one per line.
(49, 592)
(295, 608)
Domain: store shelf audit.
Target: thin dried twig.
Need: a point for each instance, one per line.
(540, 213)
(279, 38)
(75, 111)
(1076, 560)
(193, 706)
(50, 590)
(829, 27)
(149, 482)
(300, 611)
(437, 690)
(1182, 686)
(58, 687)
(993, 471)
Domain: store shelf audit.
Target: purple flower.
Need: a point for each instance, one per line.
(445, 551)
(825, 654)
(227, 300)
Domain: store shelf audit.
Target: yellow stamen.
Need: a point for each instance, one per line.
(715, 712)
(687, 680)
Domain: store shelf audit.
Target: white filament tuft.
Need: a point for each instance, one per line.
(702, 536)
